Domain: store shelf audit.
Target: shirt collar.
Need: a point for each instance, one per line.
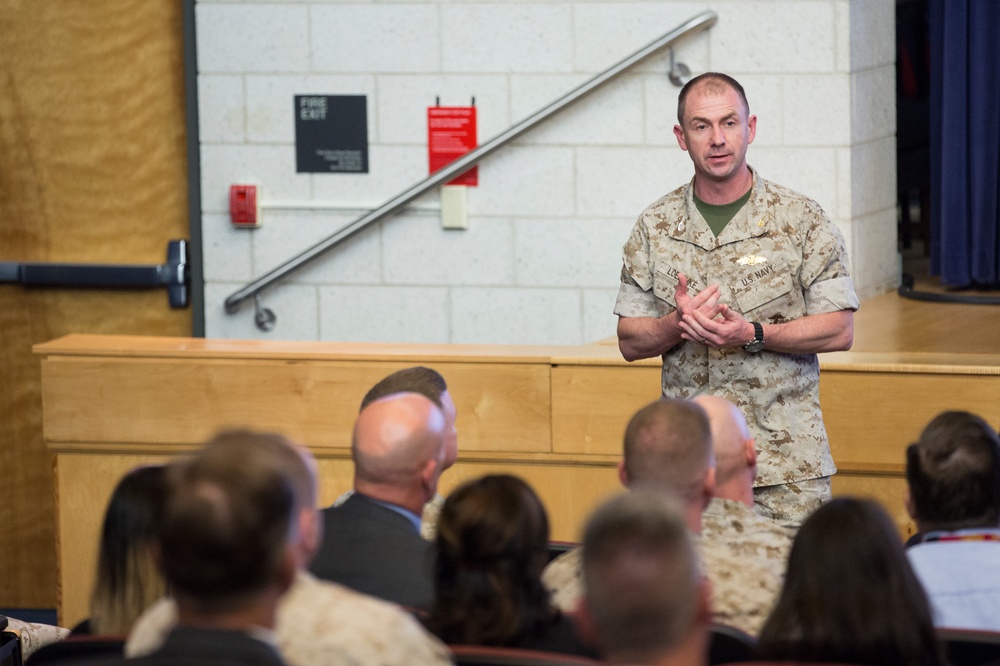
(406, 513)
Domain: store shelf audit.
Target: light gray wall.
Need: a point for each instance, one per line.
(540, 260)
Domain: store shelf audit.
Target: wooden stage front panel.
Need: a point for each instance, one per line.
(553, 415)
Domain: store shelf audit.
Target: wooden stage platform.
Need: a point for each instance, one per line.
(553, 415)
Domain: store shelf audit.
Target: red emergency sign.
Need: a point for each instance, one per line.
(451, 133)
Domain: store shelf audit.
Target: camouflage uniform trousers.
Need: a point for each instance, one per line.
(789, 504)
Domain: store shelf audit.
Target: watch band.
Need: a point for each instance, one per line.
(757, 343)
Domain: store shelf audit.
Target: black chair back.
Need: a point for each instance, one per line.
(79, 648)
(971, 648)
(728, 644)
(10, 645)
(485, 655)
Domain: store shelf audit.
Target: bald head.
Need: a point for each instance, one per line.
(398, 446)
(730, 435)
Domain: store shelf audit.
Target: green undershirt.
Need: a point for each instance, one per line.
(719, 216)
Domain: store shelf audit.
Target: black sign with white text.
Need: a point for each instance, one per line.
(331, 134)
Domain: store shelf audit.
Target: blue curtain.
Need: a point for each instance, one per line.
(965, 141)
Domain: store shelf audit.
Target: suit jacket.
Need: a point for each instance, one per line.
(192, 646)
(374, 550)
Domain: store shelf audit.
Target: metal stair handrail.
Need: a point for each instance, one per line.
(697, 23)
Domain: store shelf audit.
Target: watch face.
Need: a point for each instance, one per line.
(754, 346)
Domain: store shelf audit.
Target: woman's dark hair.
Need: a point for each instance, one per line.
(850, 595)
(127, 577)
(492, 544)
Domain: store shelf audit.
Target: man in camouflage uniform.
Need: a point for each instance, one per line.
(737, 283)
(743, 553)
(668, 447)
(318, 623)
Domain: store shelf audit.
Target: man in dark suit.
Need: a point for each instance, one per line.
(224, 551)
(373, 541)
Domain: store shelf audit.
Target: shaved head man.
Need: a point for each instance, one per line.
(744, 554)
(373, 541)
(667, 447)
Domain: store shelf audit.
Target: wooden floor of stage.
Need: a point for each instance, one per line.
(893, 323)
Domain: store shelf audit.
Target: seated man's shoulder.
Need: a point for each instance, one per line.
(320, 618)
(563, 578)
(735, 526)
(34, 635)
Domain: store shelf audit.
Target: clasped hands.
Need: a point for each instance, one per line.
(703, 319)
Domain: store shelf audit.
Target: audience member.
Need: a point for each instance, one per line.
(128, 580)
(225, 552)
(430, 384)
(373, 542)
(34, 636)
(492, 545)
(953, 474)
(318, 623)
(850, 596)
(643, 593)
(744, 554)
(668, 446)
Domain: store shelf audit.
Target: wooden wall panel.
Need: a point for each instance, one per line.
(165, 401)
(83, 484)
(92, 169)
(588, 403)
(871, 417)
(112, 400)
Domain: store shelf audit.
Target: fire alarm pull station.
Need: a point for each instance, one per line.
(244, 206)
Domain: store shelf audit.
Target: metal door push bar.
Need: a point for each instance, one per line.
(173, 275)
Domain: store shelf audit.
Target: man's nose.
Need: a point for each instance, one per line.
(718, 136)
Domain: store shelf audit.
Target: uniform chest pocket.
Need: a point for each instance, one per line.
(769, 289)
(665, 284)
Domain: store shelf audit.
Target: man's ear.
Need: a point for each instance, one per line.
(586, 628)
(703, 614)
(429, 475)
(287, 568)
(908, 503)
(623, 473)
(708, 487)
(310, 532)
(679, 133)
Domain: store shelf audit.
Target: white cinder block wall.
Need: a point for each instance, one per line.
(539, 263)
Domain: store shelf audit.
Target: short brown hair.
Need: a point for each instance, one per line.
(641, 575)
(715, 82)
(954, 473)
(668, 443)
(228, 517)
(418, 379)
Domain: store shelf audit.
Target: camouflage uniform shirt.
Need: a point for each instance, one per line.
(320, 623)
(779, 259)
(744, 556)
(563, 578)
